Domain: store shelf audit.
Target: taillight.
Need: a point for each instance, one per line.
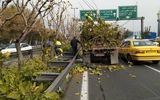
(158, 51)
(139, 52)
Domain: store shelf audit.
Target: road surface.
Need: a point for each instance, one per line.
(137, 82)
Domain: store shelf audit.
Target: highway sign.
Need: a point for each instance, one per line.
(92, 13)
(127, 12)
(109, 14)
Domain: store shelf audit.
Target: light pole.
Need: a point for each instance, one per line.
(142, 25)
(158, 20)
(74, 11)
(74, 21)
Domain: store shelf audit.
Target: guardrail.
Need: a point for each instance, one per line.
(59, 80)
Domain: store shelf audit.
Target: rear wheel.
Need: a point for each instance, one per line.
(129, 58)
(155, 62)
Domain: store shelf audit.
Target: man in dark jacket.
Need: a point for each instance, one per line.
(74, 44)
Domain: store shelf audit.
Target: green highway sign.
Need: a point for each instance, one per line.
(110, 14)
(92, 13)
(127, 12)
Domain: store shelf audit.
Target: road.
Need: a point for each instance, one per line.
(137, 82)
(36, 51)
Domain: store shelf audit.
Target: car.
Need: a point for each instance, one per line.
(25, 48)
(139, 50)
(3, 46)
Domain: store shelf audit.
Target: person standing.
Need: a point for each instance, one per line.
(74, 44)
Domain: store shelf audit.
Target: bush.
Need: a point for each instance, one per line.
(16, 84)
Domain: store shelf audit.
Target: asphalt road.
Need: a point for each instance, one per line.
(138, 82)
(14, 59)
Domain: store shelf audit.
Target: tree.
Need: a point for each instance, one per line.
(36, 7)
(56, 18)
(99, 34)
(73, 28)
(55, 22)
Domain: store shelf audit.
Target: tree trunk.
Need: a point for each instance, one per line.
(1, 63)
(19, 53)
(52, 50)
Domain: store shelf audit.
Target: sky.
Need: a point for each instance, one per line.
(146, 8)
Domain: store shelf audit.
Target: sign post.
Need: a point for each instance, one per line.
(110, 14)
(127, 12)
(84, 13)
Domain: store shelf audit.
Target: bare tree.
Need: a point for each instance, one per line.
(56, 20)
(57, 17)
(37, 8)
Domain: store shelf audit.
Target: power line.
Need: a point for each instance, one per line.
(94, 4)
(125, 23)
(88, 4)
(81, 6)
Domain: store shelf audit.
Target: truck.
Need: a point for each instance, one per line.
(99, 41)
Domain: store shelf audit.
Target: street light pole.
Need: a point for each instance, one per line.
(74, 11)
(74, 19)
(142, 25)
(158, 20)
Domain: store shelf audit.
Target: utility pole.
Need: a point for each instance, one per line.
(142, 25)
(158, 20)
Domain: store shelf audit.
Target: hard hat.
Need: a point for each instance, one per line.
(58, 43)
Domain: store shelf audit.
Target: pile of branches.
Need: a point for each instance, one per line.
(99, 33)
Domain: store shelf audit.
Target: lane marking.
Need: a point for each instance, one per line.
(152, 68)
(84, 88)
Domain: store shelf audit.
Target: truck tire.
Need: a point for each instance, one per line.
(129, 58)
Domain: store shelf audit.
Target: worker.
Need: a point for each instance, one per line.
(74, 44)
(88, 17)
(58, 49)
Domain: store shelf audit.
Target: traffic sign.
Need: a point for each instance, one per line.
(109, 14)
(127, 12)
(84, 13)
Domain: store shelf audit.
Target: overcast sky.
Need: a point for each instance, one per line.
(146, 8)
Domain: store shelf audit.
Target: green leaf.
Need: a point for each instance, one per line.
(52, 96)
(14, 95)
(22, 89)
(1, 82)
(3, 89)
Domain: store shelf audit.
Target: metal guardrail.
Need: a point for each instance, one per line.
(58, 81)
(45, 77)
(58, 63)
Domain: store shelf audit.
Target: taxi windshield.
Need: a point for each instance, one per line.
(143, 43)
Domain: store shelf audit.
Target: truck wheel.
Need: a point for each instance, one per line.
(122, 57)
(129, 58)
(155, 62)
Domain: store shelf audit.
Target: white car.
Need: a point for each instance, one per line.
(25, 48)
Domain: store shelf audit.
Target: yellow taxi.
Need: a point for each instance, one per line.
(139, 50)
